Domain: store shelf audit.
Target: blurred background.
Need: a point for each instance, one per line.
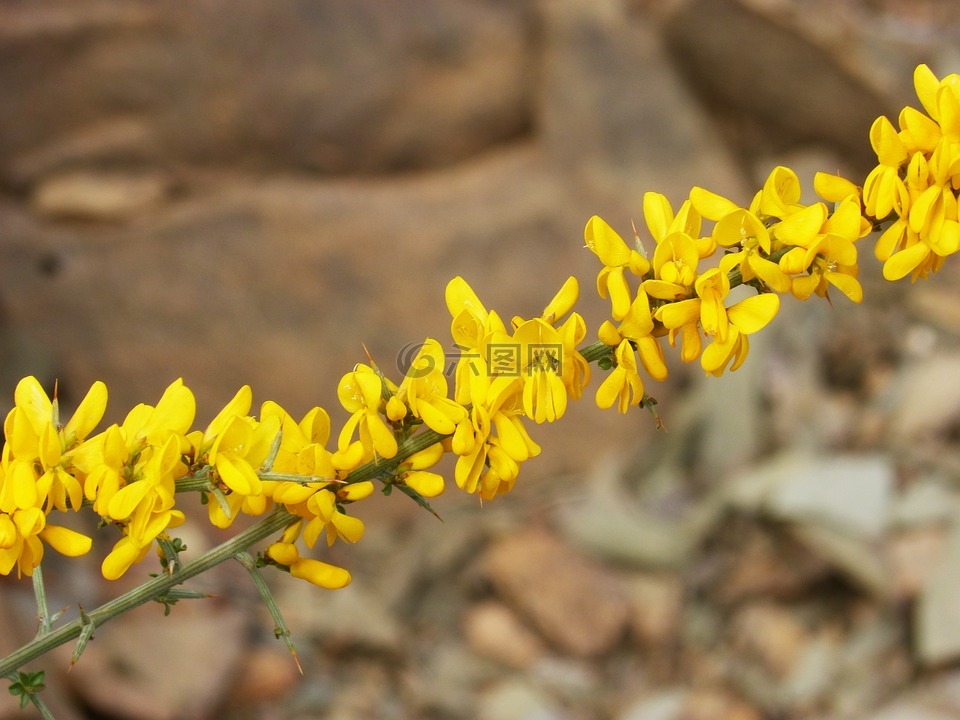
(250, 192)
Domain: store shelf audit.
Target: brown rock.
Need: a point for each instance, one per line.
(764, 563)
(494, 631)
(772, 634)
(265, 675)
(771, 77)
(656, 602)
(913, 556)
(333, 87)
(106, 197)
(571, 599)
(715, 704)
(149, 667)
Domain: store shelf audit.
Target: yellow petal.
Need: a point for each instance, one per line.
(23, 480)
(316, 425)
(124, 554)
(770, 273)
(605, 243)
(239, 405)
(348, 527)
(718, 354)
(89, 413)
(459, 296)
(236, 474)
(356, 491)
(679, 313)
(384, 441)
(918, 132)
(65, 541)
(904, 262)
(801, 227)
(29, 521)
(511, 439)
(563, 301)
(710, 205)
(176, 409)
(126, 499)
(752, 313)
(427, 484)
(8, 533)
(926, 85)
(609, 391)
(36, 407)
(283, 553)
(834, 188)
(781, 191)
(651, 357)
(619, 291)
(886, 143)
(847, 284)
(657, 213)
(319, 573)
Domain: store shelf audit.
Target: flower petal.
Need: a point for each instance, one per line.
(752, 313)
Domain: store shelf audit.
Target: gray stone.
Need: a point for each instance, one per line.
(665, 705)
(925, 402)
(850, 493)
(516, 699)
(937, 613)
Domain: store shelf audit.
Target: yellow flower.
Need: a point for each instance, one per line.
(144, 508)
(726, 326)
(780, 196)
(623, 385)
(414, 473)
(883, 190)
(658, 214)
(320, 573)
(551, 350)
(471, 328)
(317, 572)
(361, 393)
(424, 391)
(741, 228)
(604, 242)
(829, 257)
(834, 188)
(302, 448)
(328, 518)
(38, 474)
(38, 455)
(674, 266)
(493, 440)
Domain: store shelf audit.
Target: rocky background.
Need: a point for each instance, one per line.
(247, 192)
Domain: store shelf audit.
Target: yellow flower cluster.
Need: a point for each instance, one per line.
(776, 245)
(507, 374)
(128, 474)
(917, 179)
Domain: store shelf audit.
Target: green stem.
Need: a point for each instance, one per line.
(40, 593)
(146, 592)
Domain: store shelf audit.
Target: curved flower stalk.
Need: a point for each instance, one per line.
(714, 278)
